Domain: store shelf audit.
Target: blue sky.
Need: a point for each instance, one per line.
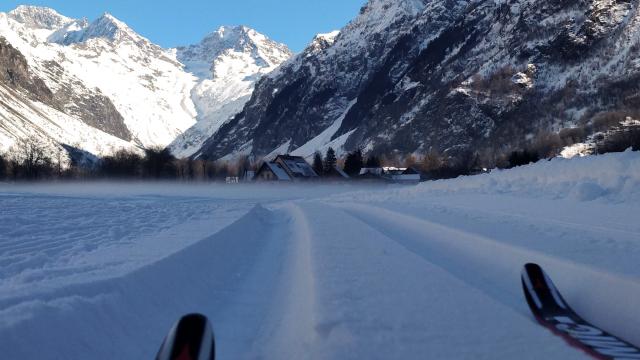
(170, 23)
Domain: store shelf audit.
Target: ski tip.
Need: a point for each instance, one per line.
(191, 338)
(540, 291)
(529, 267)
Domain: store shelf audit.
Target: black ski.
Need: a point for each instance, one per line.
(553, 312)
(189, 339)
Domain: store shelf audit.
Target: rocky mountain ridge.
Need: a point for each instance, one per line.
(412, 76)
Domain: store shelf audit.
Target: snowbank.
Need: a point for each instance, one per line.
(606, 178)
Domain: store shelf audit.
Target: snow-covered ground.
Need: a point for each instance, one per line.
(102, 271)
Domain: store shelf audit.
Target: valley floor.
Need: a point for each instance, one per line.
(426, 272)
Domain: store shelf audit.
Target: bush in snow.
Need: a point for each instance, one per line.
(620, 140)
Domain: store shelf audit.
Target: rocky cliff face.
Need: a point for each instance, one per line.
(71, 97)
(412, 75)
(15, 74)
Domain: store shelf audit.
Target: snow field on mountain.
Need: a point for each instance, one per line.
(165, 96)
(37, 119)
(430, 271)
(147, 86)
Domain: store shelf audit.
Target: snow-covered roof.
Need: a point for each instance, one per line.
(374, 171)
(278, 171)
(297, 166)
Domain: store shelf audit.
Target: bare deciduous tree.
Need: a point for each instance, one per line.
(29, 158)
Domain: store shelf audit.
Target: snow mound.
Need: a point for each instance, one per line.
(607, 178)
(613, 177)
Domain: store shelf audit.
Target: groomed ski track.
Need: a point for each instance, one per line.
(327, 279)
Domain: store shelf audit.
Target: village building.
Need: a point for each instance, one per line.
(270, 171)
(391, 174)
(296, 167)
(248, 175)
(286, 168)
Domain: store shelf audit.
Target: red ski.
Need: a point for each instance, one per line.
(553, 312)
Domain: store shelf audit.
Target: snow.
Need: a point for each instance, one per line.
(280, 150)
(227, 64)
(611, 178)
(37, 119)
(579, 149)
(178, 97)
(145, 83)
(39, 17)
(324, 140)
(329, 37)
(327, 272)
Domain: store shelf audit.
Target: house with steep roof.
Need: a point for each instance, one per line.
(286, 168)
(270, 171)
(296, 167)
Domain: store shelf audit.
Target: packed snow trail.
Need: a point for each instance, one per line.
(431, 271)
(374, 298)
(302, 280)
(495, 267)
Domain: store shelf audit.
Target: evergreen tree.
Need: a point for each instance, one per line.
(373, 162)
(318, 165)
(330, 160)
(353, 163)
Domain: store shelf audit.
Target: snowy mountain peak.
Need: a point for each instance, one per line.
(105, 27)
(227, 63)
(321, 42)
(375, 7)
(328, 37)
(108, 27)
(234, 41)
(37, 17)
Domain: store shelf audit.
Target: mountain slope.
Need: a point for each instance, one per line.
(227, 63)
(102, 74)
(125, 90)
(30, 109)
(455, 76)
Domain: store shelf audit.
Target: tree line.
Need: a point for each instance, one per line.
(29, 159)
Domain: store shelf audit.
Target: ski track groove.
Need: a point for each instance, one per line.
(472, 258)
(372, 271)
(291, 329)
